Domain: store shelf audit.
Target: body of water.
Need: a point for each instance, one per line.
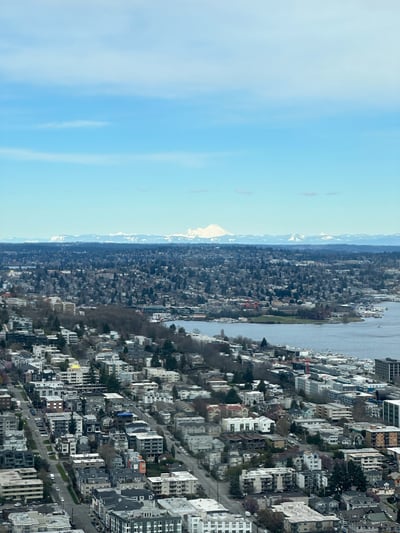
(374, 337)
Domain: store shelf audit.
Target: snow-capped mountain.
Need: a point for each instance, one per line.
(214, 233)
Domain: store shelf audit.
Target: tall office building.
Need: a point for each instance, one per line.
(387, 369)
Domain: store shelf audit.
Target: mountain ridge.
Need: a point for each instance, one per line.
(217, 235)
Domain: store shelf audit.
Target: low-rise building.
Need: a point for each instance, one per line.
(260, 480)
(262, 424)
(89, 479)
(60, 423)
(300, 517)
(145, 519)
(366, 458)
(33, 521)
(334, 411)
(174, 484)
(382, 437)
(20, 484)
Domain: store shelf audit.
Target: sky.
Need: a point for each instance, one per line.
(155, 117)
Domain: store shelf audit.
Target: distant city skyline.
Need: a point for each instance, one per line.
(153, 119)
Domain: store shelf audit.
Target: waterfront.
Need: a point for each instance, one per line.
(374, 337)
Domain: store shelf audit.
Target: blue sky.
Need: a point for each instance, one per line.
(155, 117)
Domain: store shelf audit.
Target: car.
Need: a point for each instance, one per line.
(58, 489)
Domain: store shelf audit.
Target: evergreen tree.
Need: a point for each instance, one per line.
(357, 476)
(264, 343)
(155, 361)
(248, 374)
(72, 425)
(171, 363)
(232, 396)
(261, 387)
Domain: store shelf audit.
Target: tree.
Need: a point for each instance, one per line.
(171, 363)
(232, 396)
(248, 374)
(168, 347)
(64, 365)
(261, 387)
(271, 520)
(72, 425)
(234, 482)
(108, 453)
(155, 361)
(340, 480)
(282, 425)
(250, 504)
(264, 343)
(357, 476)
(61, 342)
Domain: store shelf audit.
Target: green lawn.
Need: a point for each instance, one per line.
(273, 319)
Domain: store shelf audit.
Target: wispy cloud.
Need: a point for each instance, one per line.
(285, 51)
(185, 159)
(72, 124)
(243, 192)
(311, 194)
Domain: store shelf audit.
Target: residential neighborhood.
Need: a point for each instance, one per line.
(148, 428)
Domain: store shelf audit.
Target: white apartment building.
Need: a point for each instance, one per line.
(75, 374)
(260, 480)
(33, 521)
(168, 376)
(156, 396)
(149, 443)
(299, 517)
(20, 484)
(312, 461)
(252, 397)
(14, 440)
(221, 522)
(70, 337)
(174, 484)
(49, 388)
(310, 387)
(367, 458)
(59, 423)
(262, 424)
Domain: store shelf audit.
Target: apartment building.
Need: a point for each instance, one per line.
(382, 437)
(147, 519)
(334, 411)
(391, 412)
(387, 369)
(20, 484)
(34, 521)
(8, 422)
(262, 424)
(367, 458)
(174, 484)
(59, 423)
(149, 443)
(300, 517)
(223, 522)
(260, 480)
